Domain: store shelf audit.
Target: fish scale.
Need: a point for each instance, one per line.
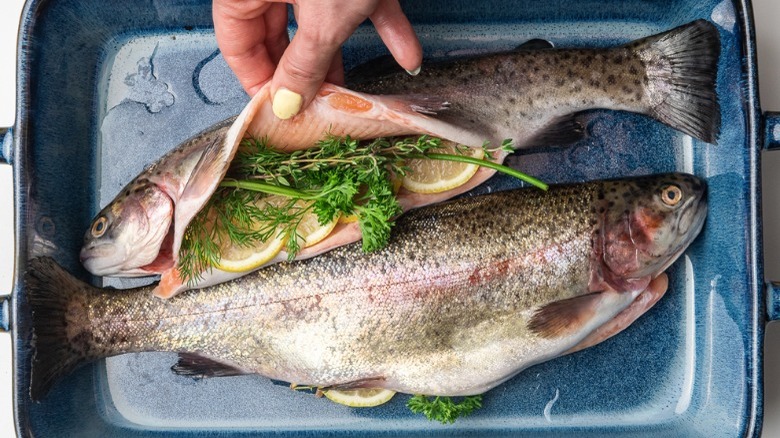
(466, 294)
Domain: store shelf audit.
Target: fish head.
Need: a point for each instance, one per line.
(648, 223)
(129, 233)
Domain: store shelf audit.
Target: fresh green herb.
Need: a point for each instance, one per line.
(237, 217)
(444, 409)
(338, 176)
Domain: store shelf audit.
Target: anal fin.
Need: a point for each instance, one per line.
(369, 382)
(198, 367)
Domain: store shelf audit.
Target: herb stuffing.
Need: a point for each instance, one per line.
(339, 176)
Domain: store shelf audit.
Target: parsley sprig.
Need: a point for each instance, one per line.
(340, 175)
(444, 409)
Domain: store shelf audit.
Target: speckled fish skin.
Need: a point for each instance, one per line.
(531, 95)
(454, 305)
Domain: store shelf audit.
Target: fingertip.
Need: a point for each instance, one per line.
(397, 33)
(301, 72)
(415, 72)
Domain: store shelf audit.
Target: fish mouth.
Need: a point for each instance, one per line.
(101, 260)
(104, 260)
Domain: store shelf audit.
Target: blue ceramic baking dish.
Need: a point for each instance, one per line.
(104, 88)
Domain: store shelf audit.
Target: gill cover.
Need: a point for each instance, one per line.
(129, 233)
(647, 224)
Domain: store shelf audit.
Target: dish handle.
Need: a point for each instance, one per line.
(771, 130)
(6, 141)
(773, 300)
(5, 315)
(772, 142)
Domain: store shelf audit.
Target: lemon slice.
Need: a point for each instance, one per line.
(436, 176)
(348, 219)
(245, 258)
(237, 258)
(360, 398)
(309, 230)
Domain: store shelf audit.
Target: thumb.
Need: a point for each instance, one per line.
(301, 71)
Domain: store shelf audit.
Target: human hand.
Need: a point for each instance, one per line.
(252, 35)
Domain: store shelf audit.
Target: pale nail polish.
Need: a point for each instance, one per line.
(286, 103)
(414, 72)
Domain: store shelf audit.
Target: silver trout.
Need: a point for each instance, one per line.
(467, 294)
(530, 95)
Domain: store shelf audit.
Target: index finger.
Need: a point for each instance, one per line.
(251, 35)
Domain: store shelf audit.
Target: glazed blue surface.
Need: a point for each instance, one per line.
(87, 126)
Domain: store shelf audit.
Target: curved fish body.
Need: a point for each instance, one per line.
(530, 95)
(467, 294)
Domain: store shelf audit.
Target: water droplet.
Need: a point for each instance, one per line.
(145, 88)
(549, 405)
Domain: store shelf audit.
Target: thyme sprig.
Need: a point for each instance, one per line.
(339, 176)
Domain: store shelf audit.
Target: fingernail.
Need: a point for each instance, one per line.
(414, 72)
(286, 103)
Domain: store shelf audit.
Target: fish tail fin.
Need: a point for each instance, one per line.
(682, 65)
(59, 348)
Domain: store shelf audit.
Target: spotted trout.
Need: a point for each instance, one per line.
(531, 95)
(467, 294)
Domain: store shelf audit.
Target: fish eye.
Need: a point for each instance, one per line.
(99, 227)
(671, 195)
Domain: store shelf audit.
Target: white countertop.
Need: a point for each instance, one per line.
(768, 33)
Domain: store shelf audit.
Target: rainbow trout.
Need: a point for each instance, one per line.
(532, 96)
(467, 294)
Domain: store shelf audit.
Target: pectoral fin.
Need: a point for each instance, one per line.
(205, 177)
(564, 317)
(641, 304)
(560, 132)
(209, 171)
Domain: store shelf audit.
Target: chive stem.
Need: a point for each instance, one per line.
(489, 164)
(272, 189)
